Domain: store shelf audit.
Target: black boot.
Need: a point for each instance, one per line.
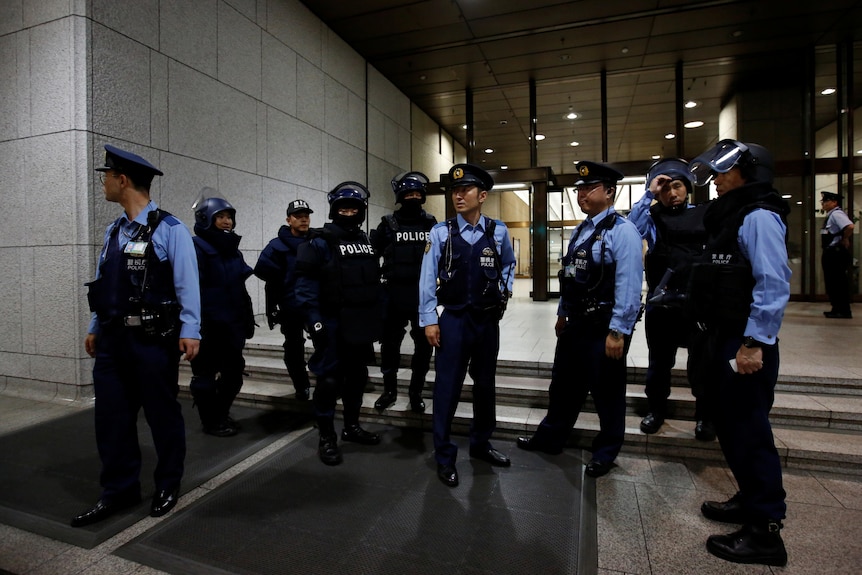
(417, 404)
(755, 543)
(390, 392)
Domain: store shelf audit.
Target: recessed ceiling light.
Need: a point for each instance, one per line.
(827, 91)
(656, 157)
(573, 144)
(463, 126)
(625, 50)
(504, 122)
(571, 116)
(423, 77)
(540, 137)
(736, 33)
(691, 104)
(489, 150)
(786, 196)
(798, 203)
(859, 151)
(669, 136)
(504, 167)
(694, 124)
(564, 57)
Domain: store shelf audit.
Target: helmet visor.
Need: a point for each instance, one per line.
(718, 160)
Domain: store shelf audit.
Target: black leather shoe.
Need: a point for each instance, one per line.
(730, 511)
(651, 423)
(163, 501)
(530, 444)
(759, 544)
(597, 468)
(303, 394)
(102, 510)
(447, 474)
(385, 400)
(491, 455)
(704, 431)
(328, 451)
(417, 404)
(356, 434)
(838, 315)
(223, 429)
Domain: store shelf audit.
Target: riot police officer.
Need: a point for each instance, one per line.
(673, 229)
(276, 266)
(600, 284)
(739, 293)
(338, 289)
(146, 313)
(400, 238)
(471, 255)
(227, 317)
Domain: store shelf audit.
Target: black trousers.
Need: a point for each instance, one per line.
(836, 267)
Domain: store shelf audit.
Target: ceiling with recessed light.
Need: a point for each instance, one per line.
(433, 50)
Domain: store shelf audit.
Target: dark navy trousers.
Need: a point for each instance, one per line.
(581, 367)
(132, 372)
(468, 341)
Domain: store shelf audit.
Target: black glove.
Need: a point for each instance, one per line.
(319, 335)
(272, 318)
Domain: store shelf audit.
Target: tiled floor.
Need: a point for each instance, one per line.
(647, 508)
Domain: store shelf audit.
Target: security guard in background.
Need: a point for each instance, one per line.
(146, 314)
(276, 266)
(739, 293)
(836, 261)
(227, 317)
(600, 285)
(674, 232)
(470, 258)
(400, 238)
(338, 289)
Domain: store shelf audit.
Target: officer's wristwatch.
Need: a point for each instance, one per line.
(616, 334)
(750, 342)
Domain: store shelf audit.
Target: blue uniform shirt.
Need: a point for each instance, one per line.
(471, 234)
(761, 239)
(623, 245)
(175, 244)
(836, 221)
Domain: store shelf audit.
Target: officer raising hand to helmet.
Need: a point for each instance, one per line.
(400, 239)
(471, 257)
(227, 318)
(338, 289)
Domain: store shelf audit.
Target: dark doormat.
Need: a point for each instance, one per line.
(382, 511)
(50, 471)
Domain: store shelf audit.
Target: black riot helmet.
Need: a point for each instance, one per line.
(348, 195)
(208, 204)
(409, 182)
(753, 160)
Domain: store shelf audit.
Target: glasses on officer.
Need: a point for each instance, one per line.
(103, 175)
(588, 188)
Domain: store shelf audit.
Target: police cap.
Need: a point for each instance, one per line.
(470, 175)
(593, 172)
(831, 196)
(138, 169)
(297, 206)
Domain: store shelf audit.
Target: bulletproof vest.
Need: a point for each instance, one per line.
(720, 286)
(680, 238)
(402, 258)
(469, 275)
(351, 277)
(222, 280)
(283, 258)
(587, 286)
(134, 277)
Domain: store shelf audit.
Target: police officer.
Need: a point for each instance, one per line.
(470, 257)
(338, 289)
(146, 314)
(675, 235)
(600, 285)
(400, 238)
(738, 293)
(835, 237)
(227, 318)
(276, 266)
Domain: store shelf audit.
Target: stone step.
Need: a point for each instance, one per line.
(833, 442)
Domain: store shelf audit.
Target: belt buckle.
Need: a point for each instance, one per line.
(132, 321)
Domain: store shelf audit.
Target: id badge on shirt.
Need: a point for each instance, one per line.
(138, 249)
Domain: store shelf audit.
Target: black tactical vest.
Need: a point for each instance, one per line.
(469, 275)
(586, 286)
